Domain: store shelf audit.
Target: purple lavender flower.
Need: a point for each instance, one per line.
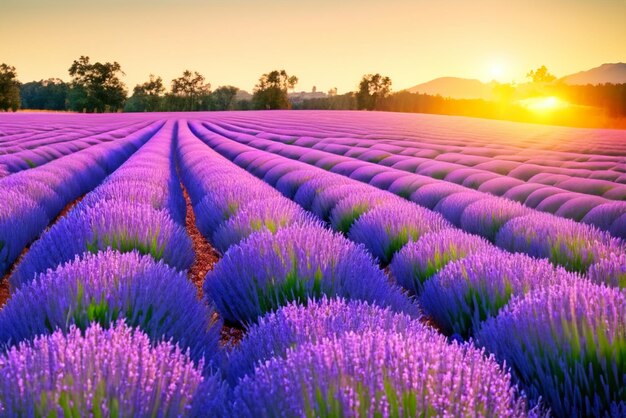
(566, 344)
(101, 372)
(308, 191)
(564, 242)
(118, 226)
(468, 291)
(417, 261)
(298, 262)
(451, 207)
(267, 214)
(107, 286)
(224, 201)
(350, 208)
(380, 373)
(21, 219)
(297, 324)
(385, 229)
(486, 216)
(326, 199)
(610, 270)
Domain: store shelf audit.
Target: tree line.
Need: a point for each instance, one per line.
(97, 87)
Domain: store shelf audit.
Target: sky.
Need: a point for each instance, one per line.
(326, 43)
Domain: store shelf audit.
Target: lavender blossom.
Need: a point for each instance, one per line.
(268, 214)
(107, 286)
(467, 292)
(384, 230)
(118, 226)
(379, 373)
(298, 262)
(564, 242)
(297, 324)
(417, 261)
(566, 344)
(101, 372)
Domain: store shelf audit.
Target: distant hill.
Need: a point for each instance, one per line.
(606, 73)
(457, 88)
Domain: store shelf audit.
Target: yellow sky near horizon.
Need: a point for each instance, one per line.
(325, 43)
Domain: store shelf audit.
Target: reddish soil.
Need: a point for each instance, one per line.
(4, 281)
(206, 257)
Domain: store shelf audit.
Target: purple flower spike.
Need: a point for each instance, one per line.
(564, 242)
(107, 286)
(384, 230)
(268, 214)
(380, 373)
(296, 324)
(567, 345)
(299, 262)
(467, 292)
(417, 261)
(112, 372)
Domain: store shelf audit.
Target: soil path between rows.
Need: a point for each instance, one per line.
(206, 257)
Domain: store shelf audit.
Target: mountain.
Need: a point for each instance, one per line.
(457, 88)
(606, 73)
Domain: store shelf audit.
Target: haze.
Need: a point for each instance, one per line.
(325, 43)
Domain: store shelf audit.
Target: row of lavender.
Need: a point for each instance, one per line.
(327, 333)
(35, 152)
(481, 147)
(548, 189)
(33, 198)
(471, 289)
(102, 320)
(508, 224)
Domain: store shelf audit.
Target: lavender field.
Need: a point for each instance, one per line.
(310, 264)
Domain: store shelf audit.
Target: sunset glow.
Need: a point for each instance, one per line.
(326, 43)
(543, 104)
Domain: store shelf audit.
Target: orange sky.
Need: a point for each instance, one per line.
(325, 43)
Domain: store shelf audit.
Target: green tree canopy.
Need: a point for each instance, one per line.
(223, 98)
(272, 90)
(190, 91)
(372, 89)
(96, 87)
(50, 94)
(9, 88)
(147, 97)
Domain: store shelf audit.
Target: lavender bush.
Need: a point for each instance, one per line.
(379, 373)
(112, 372)
(566, 344)
(418, 261)
(296, 263)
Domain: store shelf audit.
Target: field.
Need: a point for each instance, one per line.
(310, 263)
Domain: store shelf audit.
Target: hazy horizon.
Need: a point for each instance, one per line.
(324, 44)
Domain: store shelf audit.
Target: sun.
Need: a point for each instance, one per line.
(496, 71)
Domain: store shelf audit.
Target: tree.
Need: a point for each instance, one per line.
(541, 75)
(9, 88)
(223, 98)
(96, 87)
(372, 89)
(147, 97)
(271, 91)
(50, 94)
(192, 90)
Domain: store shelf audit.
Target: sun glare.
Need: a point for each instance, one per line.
(496, 71)
(543, 104)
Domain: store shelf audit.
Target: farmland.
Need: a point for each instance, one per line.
(310, 263)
